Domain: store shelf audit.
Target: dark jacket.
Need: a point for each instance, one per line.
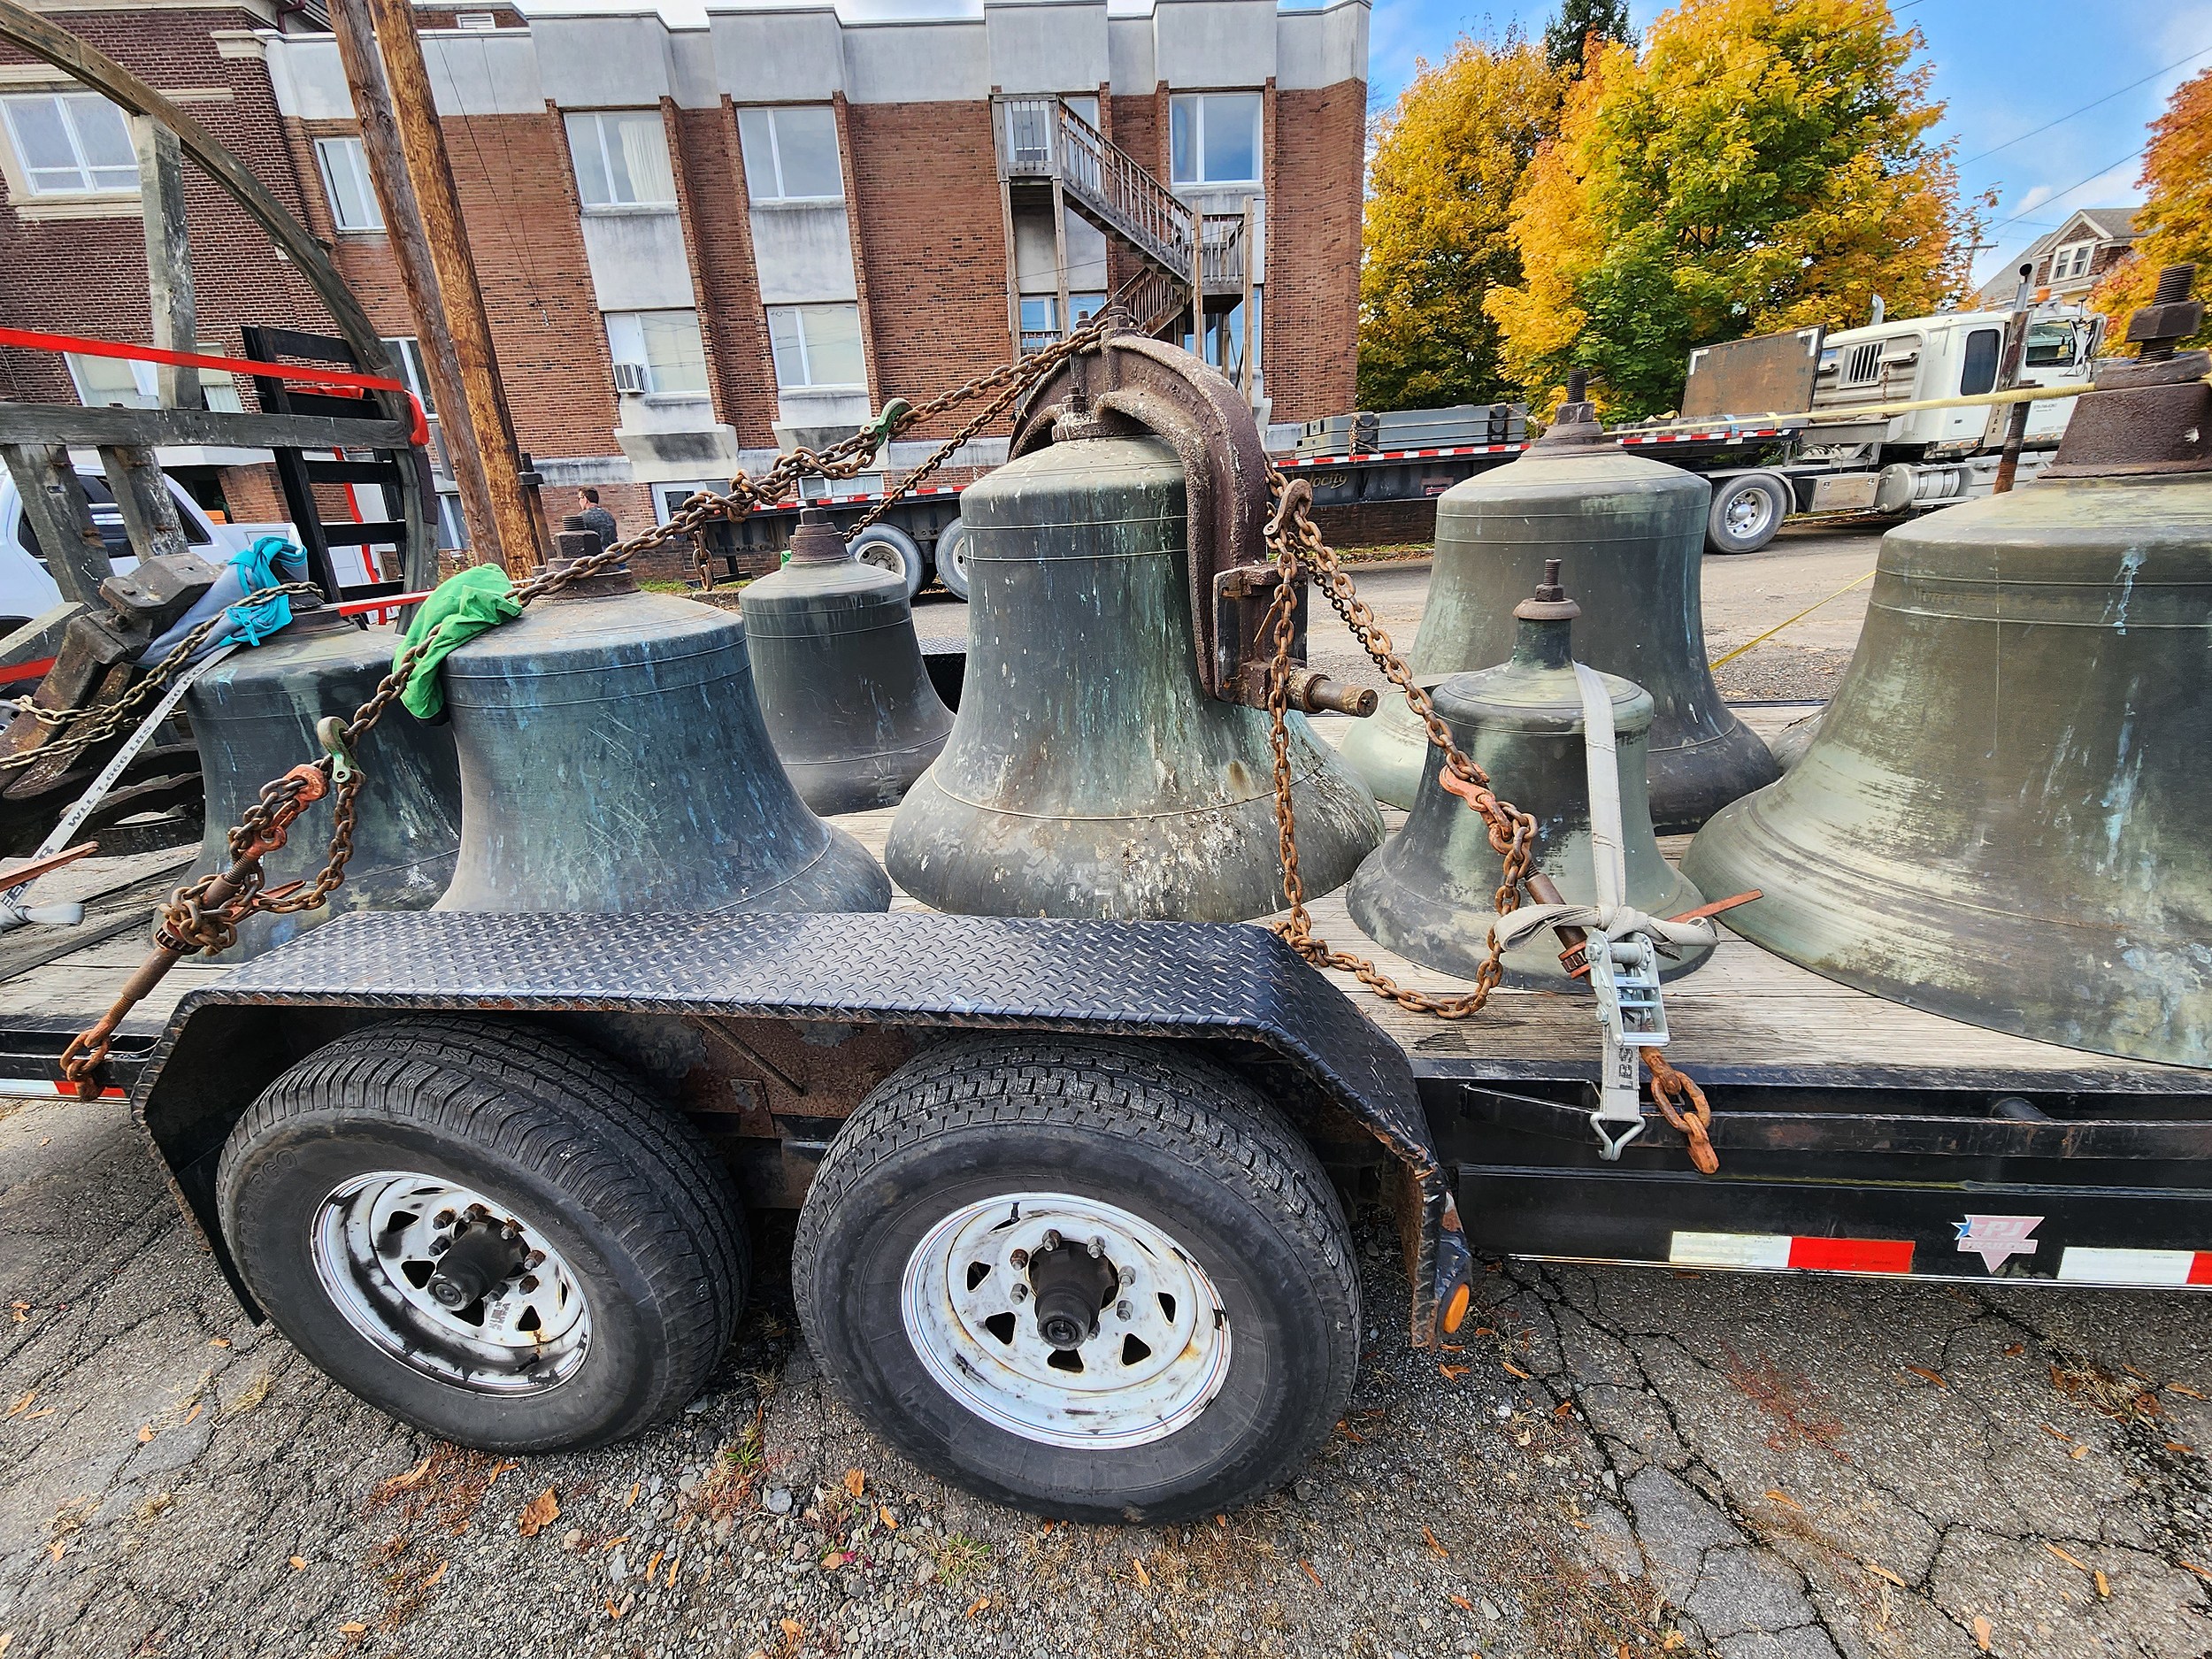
(601, 522)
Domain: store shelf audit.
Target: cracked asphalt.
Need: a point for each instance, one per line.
(1615, 1463)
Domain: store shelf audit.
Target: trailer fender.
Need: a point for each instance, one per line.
(1219, 985)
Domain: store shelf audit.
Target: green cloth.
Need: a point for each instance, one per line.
(459, 608)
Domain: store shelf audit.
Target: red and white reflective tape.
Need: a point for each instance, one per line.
(1777, 1250)
(1701, 437)
(41, 1088)
(2080, 1265)
(1290, 461)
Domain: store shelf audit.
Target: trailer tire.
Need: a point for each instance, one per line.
(337, 1186)
(888, 548)
(952, 559)
(1224, 1343)
(1747, 508)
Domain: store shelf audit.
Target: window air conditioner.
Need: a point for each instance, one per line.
(633, 378)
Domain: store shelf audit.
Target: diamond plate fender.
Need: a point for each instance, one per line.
(919, 970)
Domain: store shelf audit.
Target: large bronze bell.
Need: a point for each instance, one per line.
(1635, 531)
(1089, 774)
(2006, 814)
(254, 717)
(840, 674)
(613, 758)
(1428, 892)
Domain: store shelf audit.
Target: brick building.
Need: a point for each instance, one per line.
(698, 243)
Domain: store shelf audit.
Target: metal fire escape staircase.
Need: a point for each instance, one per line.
(1185, 254)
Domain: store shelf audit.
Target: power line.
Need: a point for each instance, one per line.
(2068, 190)
(2062, 120)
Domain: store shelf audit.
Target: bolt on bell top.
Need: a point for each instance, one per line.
(254, 716)
(613, 758)
(2003, 815)
(1635, 531)
(1429, 893)
(842, 686)
(1088, 772)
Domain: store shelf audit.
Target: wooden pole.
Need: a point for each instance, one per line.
(520, 534)
(168, 257)
(417, 272)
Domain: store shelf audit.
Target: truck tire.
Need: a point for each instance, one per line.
(605, 1262)
(1747, 508)
(887, 547)
(1093, 1280)
(952, 559)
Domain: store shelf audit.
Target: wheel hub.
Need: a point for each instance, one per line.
(1072, 1285)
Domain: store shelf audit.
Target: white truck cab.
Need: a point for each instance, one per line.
(1957, 354)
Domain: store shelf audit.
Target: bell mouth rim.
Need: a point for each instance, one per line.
(1320, 769)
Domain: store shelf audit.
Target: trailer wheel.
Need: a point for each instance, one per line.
(888, 548)
(1094, 1279)
(490, 1231)
(1747, 511)
(952, 559)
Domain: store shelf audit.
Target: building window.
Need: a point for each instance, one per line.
(407, 352)
(621, 159)
(791, 154)
(345, 168)
(657, 352)
(1040, 321)
(817, 346)
(1214, 138)
(71, 143)
(119, 383)
(2072, 261)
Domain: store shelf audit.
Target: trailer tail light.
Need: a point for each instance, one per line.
(2149, 1268)
(1776, 1250)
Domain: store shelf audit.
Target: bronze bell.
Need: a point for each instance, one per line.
(613, 758)
(254, 716)
(1428, 892)
(1089, 774)
(842, 686)
(2005, 815)
(1635, 531)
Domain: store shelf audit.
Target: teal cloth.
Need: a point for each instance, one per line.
(459, 608)
(257, 568)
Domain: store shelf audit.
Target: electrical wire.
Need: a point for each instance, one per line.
(2070, 114)
(2068, 190)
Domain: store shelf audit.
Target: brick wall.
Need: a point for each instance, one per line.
(1310, 351)
(710, 177)
(926, 197)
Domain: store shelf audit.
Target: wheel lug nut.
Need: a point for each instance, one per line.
(536, 1258)
(529, 1283)
(439, 1246)
(1021, 1292)
(444, 1218)
(1122, 1311)
(477, 1212)
(1128, 1275)
(1051, 1239)
(1097, 1249)
(1020, 1258)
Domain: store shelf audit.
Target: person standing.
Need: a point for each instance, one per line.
(596, 518)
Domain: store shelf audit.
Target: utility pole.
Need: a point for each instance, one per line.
(519, 533)
(419, 273)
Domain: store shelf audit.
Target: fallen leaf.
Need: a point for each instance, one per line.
(1221, 1520)
(1144, 1579)
(20, 1309)
(43, 1411)
(1047, 1532)
(2131, 1371)
(1460, 1602)
(612, 1542)
(2078, 1453)
(1565, 1409)
(193, 1414)
(539, 1513)
(675, 1562)
(978, 1605)
(2063, 1439)
(409, 1481)
(353, 1630)
(636, 1487)
(7, 1636)
(1883, 1572)
(831, 1563)
(2183, 1389)
(1484, 1330)
(298, 1563)
(499, 1469)
(854, 1481)
(2074, 1561)
(612, 1610)
(2175, 1446)
(890, 1521)
(54, 1549)
(1453, 1373)
(1512, 1370)
(2015, 1349)
(145, 1433)
(2191, 1566)
(1306, 1567)
(1430, 1538)
(1933, 1377)
(219, 1341)
(1785, 1499)
(436, 1573)
(22, 1405)
(1981, 1632)
(1673, 1639)
(2103, 1583)
(793, 1629)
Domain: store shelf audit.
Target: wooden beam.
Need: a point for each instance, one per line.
(39, 638)
(168, 259)
(519, 540)
(141, 497)
(59, 514)
(60, 424)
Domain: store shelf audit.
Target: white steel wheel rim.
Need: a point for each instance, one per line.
(1749, 509)
(1157, 1358)
(375, 1242)
(957, 556)
(884, 556)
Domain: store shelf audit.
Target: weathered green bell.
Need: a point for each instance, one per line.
(1088, 773)
(842, 686)
(613, 758)
(2006, 814)
(1428, 892)
(1635, 532)
(254, 717)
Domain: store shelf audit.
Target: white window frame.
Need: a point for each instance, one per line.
(414, 373)
(597, 120)
(357, 161)
(655, 389)
(769, 113)
(65, 99)
(810, 384)
(218, 389)
(2082, 256)
(1196, 103)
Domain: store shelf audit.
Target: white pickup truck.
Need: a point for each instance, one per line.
(27, 590)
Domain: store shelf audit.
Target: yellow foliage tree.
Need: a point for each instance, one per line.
(1762, 165)
(1448, 158)
(2175, 225)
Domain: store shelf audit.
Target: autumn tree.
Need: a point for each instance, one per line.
(1762, 165)
(2175, 223)
(1448, 157)
(1580, 23)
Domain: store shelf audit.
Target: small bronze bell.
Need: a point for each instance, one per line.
(254, 714)
(1428, 893)
(842, 686)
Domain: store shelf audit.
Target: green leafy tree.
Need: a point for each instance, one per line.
(1763, 165)
(1570, 35)
(1448, 157)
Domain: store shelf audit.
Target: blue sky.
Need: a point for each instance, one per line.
(2005, 67)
